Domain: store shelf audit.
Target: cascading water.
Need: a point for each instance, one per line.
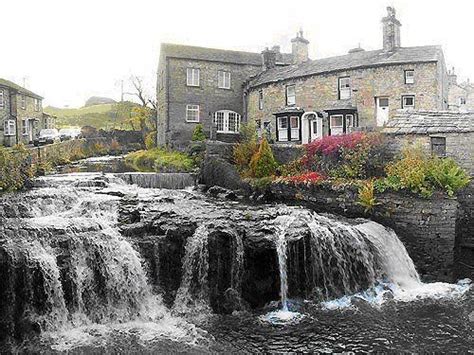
(194, 290)
(85, 257)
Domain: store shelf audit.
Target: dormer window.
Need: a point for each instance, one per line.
(409, 76)
(192, 77)
(344, 88)
(290, 95)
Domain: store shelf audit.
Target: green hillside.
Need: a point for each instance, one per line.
(105, 116)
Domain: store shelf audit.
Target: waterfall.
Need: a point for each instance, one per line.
(342, 258)
(283, 222)
(194, 289)
(160, 180)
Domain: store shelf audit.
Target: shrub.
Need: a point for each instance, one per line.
(307, 178)
(366, 197)
(115, 146)
(293, 168)
(198, 134)
(419, 173)
(263, 162)
(150, 140)
(446, 174)
(246, 148)
(15, 168)
(410, 172)
(356, 155)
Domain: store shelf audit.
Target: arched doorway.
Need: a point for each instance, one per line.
(312, 127)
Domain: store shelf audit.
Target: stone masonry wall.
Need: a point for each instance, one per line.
(459, 146)
(4, 115)
(29, 112)
(208, 96)
(319, 92)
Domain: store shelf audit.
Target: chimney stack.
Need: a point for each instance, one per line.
(299, 48)
(269, 58)
(452, 77)
(391, 31)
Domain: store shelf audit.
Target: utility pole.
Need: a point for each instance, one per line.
(121, 90)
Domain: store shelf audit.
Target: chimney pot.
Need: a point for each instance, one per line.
(299, 48)
(391, 31)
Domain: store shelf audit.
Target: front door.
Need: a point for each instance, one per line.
(382, 110)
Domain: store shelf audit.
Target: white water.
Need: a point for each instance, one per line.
(193, 293)
(400, 280)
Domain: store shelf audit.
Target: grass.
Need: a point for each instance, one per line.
(160, 160)
(104, 116)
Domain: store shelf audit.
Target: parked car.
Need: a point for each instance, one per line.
(68, 133)
(47, 136)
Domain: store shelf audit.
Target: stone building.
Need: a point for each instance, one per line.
(197, 85)
(21, 114)
(461, 95)
(446, 134)
(362, 89)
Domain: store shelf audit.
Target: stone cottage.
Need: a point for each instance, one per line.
(21, 114)
(313, 98)
(199, 85)
(461, 95)
(445, 134)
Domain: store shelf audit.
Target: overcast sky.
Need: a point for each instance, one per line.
(70, 50)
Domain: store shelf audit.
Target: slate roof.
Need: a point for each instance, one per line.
(355, 60)
(218, 55)
(12, 85)
(430, 122)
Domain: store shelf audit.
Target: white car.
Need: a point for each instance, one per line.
(47, 136)
(68, 133)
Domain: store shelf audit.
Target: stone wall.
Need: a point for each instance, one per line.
(459, 146)
(320, 92)
(464, 251)
(7, 141)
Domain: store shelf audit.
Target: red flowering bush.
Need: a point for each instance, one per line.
(356, 155)
(305, 178)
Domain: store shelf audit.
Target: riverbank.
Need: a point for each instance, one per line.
(433, 228)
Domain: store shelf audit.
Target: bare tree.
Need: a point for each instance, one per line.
(140, 92)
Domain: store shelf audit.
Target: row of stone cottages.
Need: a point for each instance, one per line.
(297, 100)
(21, 114)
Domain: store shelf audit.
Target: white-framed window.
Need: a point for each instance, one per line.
(223, 79)
(290, 95)
(9, 128)
(295, 128)
(408, 101)
(350, 120)
(283, 129)
(462, 101)
(260, 100)
(23, 102)
(227, 121)
(2, 99)
(24, 127)
(336, 124)
(37, 105)
(192, 113)
(192, 76)
(409, 76)
(344, 88)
